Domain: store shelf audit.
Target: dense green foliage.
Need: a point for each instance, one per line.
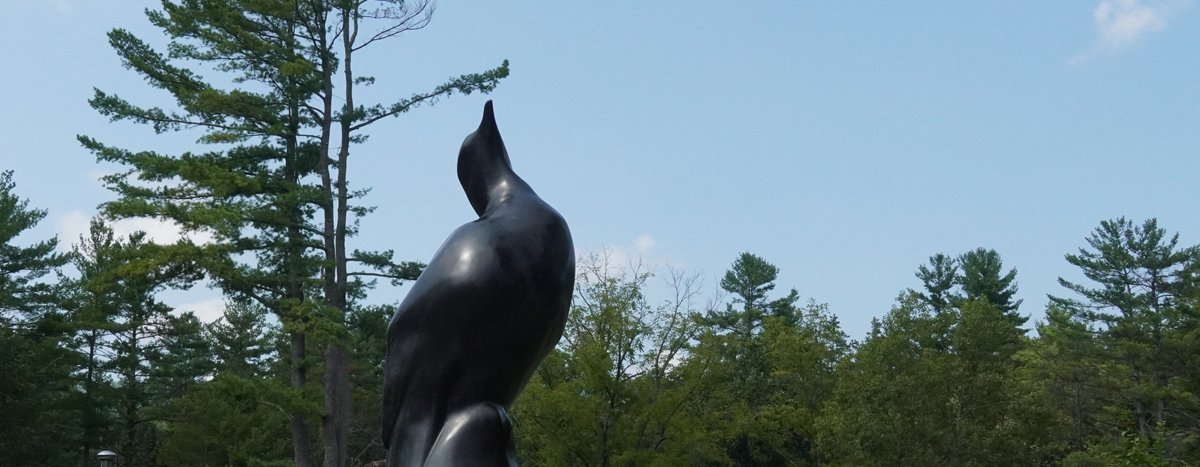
(93, 360)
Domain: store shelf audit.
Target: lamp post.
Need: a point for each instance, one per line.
(107, 458)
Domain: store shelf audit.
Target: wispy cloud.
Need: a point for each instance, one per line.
(644, 243)
(643, 253)
(1120, 23)
(76, 223)
(208, 310)
(71, 226)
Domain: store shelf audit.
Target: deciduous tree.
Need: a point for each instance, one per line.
(938, 388)
(621, 389)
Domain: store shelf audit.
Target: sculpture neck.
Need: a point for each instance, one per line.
(491, 184)
(502, 189)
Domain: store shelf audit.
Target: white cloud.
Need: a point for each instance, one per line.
(71, 226)
(642, 254)
(644, 243)
(76, 223)
(614, 258)
(158, 231)
(207, 310)
(1120, 23)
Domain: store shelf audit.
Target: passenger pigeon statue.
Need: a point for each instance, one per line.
(478, 321)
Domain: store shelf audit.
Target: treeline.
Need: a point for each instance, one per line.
(947, 377)
(94, 360)
(91, 359)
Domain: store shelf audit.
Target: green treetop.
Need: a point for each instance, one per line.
(974, 275)
(981, 279)
(34, 369)
(21, 267)
(749, 279)
(939, 278)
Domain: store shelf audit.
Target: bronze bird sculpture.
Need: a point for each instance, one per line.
(477, 322)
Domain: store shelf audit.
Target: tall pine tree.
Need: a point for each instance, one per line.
(974, 275)
(1141, 304)
(983, 278)
(35, 379)
(277, 190)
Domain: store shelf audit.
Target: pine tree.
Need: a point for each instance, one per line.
(749, 279)
(279, 190)
(767, 434)
(91, 307)
(981, 279)
(186, 356)
(367, 343)
(140, 326)
(238, 417)
(1141, 305)
(22, 267)
(974, 275)
(939, 277)
(39, 418)
(240, 340)
(1078, 374)
(35, 370)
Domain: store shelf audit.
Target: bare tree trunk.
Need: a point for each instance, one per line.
(301, 444)
(1139, 406)
(302, 452)
(338, 403)
(89, 394)
(336, 424)
(129, 407)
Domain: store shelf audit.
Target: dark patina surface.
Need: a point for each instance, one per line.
(481, 317)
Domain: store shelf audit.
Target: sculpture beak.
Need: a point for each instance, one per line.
(488, 125)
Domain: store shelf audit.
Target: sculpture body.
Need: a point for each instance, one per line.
(478, 321)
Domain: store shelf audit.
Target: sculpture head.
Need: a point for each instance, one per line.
(483, 164)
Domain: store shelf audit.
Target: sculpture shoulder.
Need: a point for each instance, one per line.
(506, 244)
(528, 217)
(468, 253)
(526, 204)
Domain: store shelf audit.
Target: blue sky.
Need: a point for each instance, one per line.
(845, 142)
